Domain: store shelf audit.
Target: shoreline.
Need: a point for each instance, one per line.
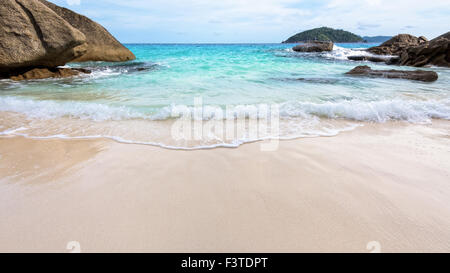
(384, 182)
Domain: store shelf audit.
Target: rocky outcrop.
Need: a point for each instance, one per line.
(397, 45)
(314, 46)
(31, 34)
(101, 45)
(435, 52)
(375, 59)
(44, 73)
(417, 75)
(37, 36)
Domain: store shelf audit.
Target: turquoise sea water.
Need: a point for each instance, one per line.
(134, 101)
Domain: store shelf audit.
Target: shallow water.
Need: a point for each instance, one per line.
(136, 101)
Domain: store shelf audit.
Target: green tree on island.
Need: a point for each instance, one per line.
(325, 34)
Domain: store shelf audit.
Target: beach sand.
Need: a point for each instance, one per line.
(388, 183)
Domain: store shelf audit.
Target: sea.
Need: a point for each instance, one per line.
(197, 96)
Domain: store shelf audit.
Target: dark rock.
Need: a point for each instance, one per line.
(44, 73)
(101, 45)
(375, 59)
(417, 75)
(314, 46)
(435, 52)
(397, 45)
(357, 58)
(318, 80)
(422, 39)
(393, 61)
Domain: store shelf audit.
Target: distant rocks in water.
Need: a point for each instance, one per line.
(417, 75)
(314, 46)
(44, 73)
(318, 80)
(435, 52)
(39, 34)
(410, 50)
(101, 45)
(375, 59)
(397, 45)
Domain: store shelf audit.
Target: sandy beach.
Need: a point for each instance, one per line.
(388, 183)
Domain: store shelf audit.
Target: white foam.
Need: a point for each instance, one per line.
(52, 109)
(233, 144)
(341, 53)
(376, 111)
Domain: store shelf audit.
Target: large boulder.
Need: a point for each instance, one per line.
(31, 34)
(417, 75)
(315, 46)
(101, 45)
(398, 44)
(436, 52)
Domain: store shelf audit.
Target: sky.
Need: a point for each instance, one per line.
(259, 21)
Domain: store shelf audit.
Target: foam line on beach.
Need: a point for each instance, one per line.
(234, 144)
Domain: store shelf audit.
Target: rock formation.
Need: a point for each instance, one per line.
(33, 35)
(435, 52)
(44, 73)
(39, 34)
(375, 59)
(314, 46)
(101, 45)
(417, 75)
(397, 45)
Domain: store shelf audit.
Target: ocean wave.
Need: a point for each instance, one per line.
(53, 109)
(375, 111)
(338, 53)
(102, 69)
(356, 110)
(341, 53)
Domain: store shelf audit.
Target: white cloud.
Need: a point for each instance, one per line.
(263, 20)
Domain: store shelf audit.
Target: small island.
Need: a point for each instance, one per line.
(325, 34)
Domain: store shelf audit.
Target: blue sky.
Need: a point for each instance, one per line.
(259, 21)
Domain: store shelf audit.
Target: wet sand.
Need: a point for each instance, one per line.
(388, 183)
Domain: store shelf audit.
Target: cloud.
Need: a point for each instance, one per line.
(259, 20)
(364, 26)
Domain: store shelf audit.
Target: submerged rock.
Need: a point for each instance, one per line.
(101, 45)
(314, 46)
(44, 73)
(318, 80)
(417, 75)
(435, 52)
(375, 59)
(31, 34)
(397, 45)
